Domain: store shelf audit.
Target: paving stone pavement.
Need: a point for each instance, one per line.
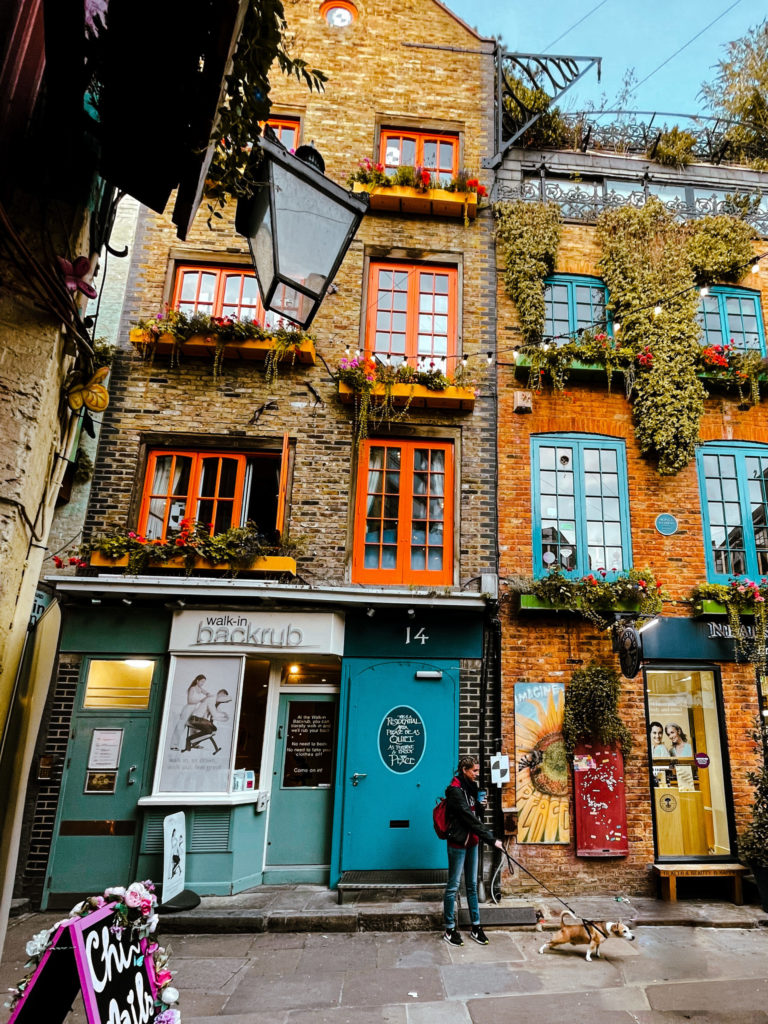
(669, 975)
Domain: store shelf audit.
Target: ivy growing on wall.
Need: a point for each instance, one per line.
(529, 236)
(591, 708)
(651, 264)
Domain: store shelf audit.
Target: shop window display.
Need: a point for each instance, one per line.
(685, 752)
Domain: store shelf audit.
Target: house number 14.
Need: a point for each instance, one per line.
(419, 635)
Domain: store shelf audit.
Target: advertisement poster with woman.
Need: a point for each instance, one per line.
(200, 720)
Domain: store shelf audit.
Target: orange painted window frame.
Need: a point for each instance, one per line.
(221, 273)
(193, 490)
(412, 309)
(280, 125)
(419, 138)
(402, 573)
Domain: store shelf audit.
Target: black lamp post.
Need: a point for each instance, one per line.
(299, 226)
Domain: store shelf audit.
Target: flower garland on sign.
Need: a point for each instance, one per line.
(135, 909)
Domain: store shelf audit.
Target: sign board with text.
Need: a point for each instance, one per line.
(110, 969)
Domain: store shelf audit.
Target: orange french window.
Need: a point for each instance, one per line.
(433, 151)
(404, 513)
(286, 129)
(217, 291)
(201, 486)
(412, 313)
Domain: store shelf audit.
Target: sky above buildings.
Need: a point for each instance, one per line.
(626, 35)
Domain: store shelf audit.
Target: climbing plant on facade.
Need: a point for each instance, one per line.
(529, 235)
(719, 248)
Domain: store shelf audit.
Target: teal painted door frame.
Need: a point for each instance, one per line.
(398, 743)
(96, 835)
(299, 830)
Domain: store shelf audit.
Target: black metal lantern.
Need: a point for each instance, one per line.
(299, 226)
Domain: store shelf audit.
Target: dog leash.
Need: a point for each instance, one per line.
(511, 860)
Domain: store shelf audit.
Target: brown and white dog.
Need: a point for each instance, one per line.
(591, 932)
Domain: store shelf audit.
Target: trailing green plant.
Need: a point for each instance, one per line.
(644, 256)
(674, 148)
(365, 375)
(753, 840)
(286, 339)
(596, 595)
(741, 596)
(234, 170)
(238, 547)
(529, 236)
(592, 709)
(719, 248)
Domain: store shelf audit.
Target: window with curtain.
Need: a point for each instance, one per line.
(733, 480)
(404, 513)
(216, 488)
(580, 505)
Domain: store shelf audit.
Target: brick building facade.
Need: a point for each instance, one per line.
(298, 422)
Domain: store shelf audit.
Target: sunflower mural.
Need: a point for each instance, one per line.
(542, 769)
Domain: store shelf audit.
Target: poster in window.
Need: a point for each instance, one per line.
(200, 725)
(541, 774)
(309, 744)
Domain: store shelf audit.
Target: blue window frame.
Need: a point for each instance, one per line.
(572, 303)
(733, 479)
(580, 504)
(732, 316)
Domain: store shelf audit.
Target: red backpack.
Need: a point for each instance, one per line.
(440, 818)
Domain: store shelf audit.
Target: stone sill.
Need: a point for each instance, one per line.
(435, 202)
(267, 563)
(205, 345)
(416, 396)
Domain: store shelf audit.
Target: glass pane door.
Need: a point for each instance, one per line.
(685, 750)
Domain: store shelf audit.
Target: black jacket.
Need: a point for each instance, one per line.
(462, 820)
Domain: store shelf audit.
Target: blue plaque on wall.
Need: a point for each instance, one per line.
(666, 524)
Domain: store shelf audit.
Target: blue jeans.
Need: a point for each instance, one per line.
(465, 858)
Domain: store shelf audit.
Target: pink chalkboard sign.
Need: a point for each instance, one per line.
(112, 970)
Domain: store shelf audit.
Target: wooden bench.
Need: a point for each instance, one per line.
(668, 875)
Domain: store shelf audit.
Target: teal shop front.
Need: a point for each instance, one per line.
(230, 717)
(400, 702)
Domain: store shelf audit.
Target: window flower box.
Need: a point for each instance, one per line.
(416, 396)
(264, 564)
(532, 603)
(435, 202)
(205, 345)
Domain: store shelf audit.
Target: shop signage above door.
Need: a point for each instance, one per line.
(426, 633)
(243, 632)
(691, 640)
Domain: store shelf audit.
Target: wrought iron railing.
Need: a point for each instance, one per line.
(585, 201)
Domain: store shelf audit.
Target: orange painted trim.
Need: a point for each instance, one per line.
(265, 563)
(419, 139)
(412, 304)
(221, 272)
(282, 490)
(402, 572)
(416, 396)
(436, 202)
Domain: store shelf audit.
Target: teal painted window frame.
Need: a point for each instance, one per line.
(578, 443)
(572, 282)
(740, 451)
(722, 294)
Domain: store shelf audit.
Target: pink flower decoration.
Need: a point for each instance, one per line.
(75, 275)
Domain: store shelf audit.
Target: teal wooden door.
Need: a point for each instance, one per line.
(96, 834)
(301, 803)
(401, 745)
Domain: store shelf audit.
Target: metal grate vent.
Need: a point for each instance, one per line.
(209, 832)
(152, 839)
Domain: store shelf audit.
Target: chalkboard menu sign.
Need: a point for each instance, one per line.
(116, 978)
(402, 739)
(309, 744)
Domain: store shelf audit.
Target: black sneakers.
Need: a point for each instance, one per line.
(478, 935)
(453, 935)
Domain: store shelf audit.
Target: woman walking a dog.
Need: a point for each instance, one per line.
(465, 830)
